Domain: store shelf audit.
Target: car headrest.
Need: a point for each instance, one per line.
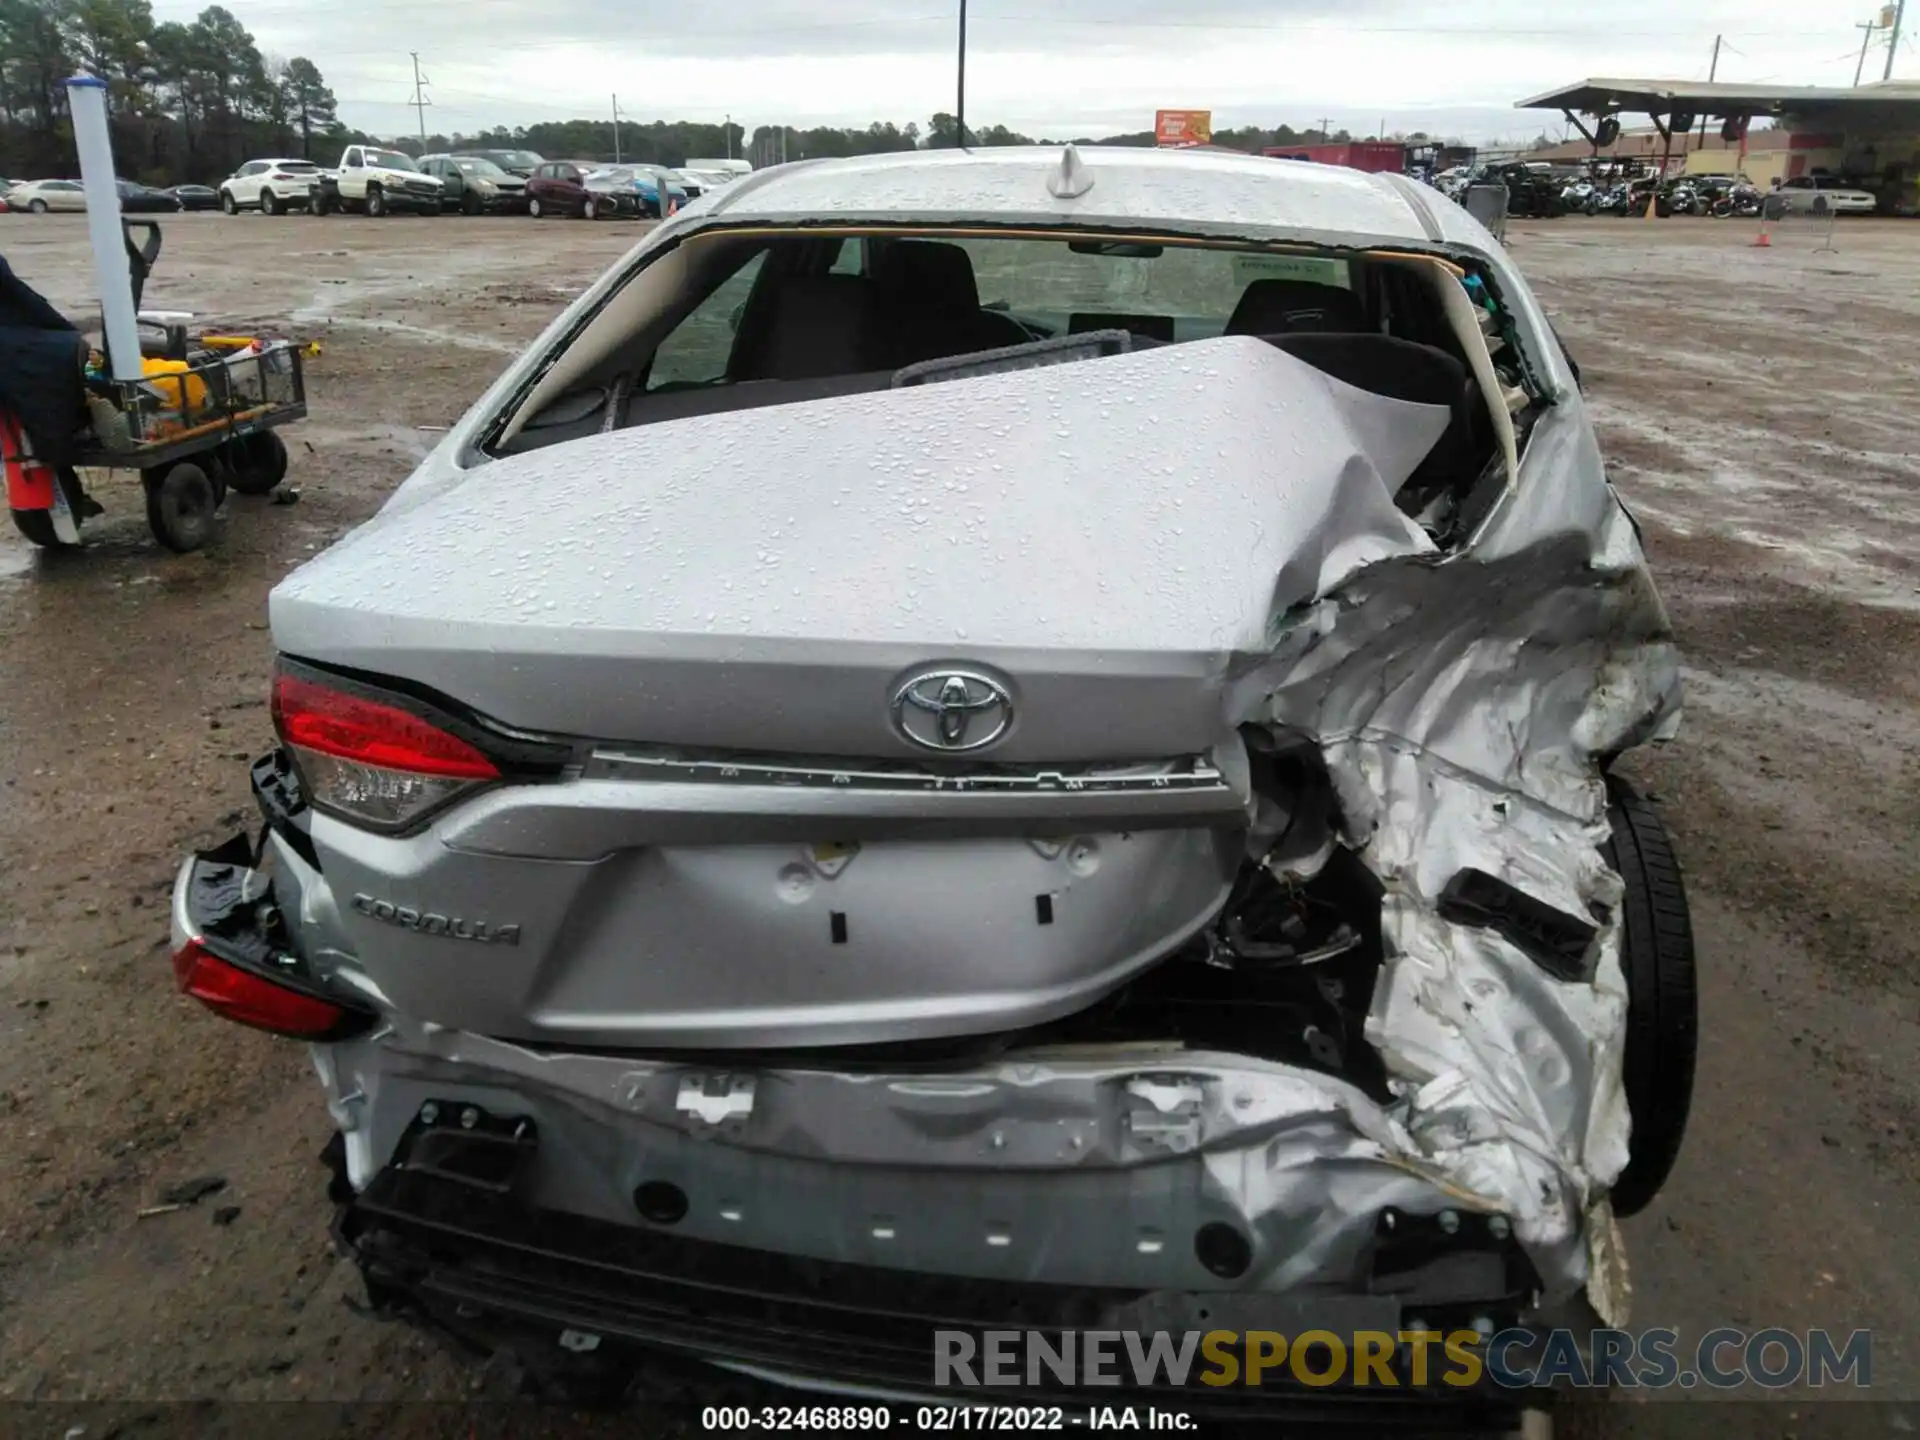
(929, 272)
(1382, 364)
(1278, 307)
(819, 326)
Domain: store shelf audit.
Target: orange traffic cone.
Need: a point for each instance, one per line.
(1763, 241)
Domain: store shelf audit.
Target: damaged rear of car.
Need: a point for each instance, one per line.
(957, 746)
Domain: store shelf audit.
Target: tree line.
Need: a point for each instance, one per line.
(185, 101)
(673, 143)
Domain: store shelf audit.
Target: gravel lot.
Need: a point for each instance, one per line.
(1758, 408)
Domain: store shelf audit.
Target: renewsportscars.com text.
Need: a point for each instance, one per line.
(1381, 1359)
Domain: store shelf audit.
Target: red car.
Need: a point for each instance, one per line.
(559, 187)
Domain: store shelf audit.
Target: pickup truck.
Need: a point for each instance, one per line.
(377, 182)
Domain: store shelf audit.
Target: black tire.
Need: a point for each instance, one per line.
(228, 204)
(470, 203)
(180, 506)
(255, 463)
(376, 203)
(269, 202)
(37, 526)
(1663, 1002)
(36, 207)
(535, 209)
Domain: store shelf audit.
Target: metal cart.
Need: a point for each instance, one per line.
(199, 422)
(197, 431)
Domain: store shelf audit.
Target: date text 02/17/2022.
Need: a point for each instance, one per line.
(942, 1418)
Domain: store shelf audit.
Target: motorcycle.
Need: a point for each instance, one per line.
(1579, 197)
(1615, 200)
(1742, 202)
(1681, 199)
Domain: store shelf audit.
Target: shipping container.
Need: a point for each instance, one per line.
(1373, 155)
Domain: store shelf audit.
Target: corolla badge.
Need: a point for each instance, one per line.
(952, 710)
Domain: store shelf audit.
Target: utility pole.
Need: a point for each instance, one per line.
(1325, 132)
(960, 99)
(1866, 39)
(1893, 40)
(616, 129)
(420, 101)
(1713, 72)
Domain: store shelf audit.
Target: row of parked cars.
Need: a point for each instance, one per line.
(376, 181)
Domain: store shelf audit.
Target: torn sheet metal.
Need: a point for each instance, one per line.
(1464, 709)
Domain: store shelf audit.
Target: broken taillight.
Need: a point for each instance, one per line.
(241, 995)
(371, 760)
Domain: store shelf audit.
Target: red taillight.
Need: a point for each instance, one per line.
(250, 999)
(326, 721)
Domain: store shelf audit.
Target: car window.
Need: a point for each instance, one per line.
(698, 349)
(1799, 183)
(1046, 281)
(296, 167)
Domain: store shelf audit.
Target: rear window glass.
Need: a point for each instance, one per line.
(1197, 289)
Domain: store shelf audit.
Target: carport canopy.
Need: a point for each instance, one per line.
(1894, 103)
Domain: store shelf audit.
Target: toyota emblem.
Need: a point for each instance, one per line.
(952, 710)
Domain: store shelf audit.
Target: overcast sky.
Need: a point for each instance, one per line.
(1056, 67)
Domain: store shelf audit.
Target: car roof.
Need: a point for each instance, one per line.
(1176, 190)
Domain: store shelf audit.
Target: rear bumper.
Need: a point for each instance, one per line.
(450, 1232)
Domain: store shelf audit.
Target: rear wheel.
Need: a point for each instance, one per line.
(269, 203)
(37, 526)
(180, 506)
(255, 463)
(1663, 1017)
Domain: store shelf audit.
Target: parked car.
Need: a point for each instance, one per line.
(196, 197)
(269, 186)
(475, 186)
(1804, 193)
(1533, 191)
(643, 182)
(136, 199)
(515, 162)
(40, 196)
(581, 188)
(766, 910)
(375, 182)
(699, 182)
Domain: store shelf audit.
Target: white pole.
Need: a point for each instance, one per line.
(87, 100)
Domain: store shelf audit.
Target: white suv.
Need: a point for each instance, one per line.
(269, 186)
